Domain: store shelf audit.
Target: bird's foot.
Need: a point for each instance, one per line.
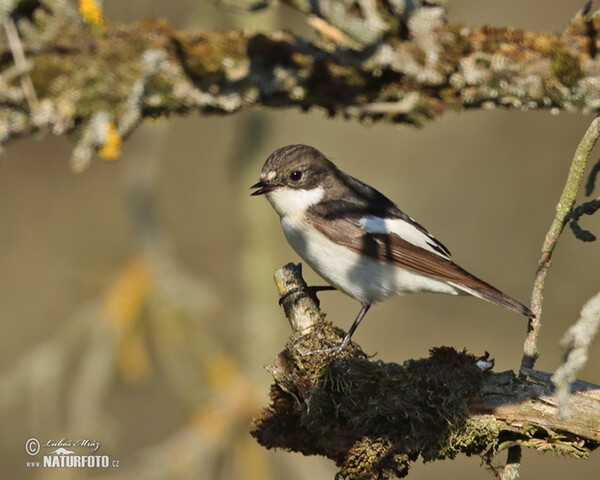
(333, 349)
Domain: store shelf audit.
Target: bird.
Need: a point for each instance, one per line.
(357, 239)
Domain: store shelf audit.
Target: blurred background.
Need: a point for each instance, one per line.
(137, 304)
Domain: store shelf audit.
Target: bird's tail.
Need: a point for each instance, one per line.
(492, 294)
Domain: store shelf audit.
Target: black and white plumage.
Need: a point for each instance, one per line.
(357, 239)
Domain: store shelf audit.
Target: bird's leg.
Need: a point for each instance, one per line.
(336, 349)
(357, 320)
(310, 291)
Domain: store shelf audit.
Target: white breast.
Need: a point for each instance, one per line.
(290, 201)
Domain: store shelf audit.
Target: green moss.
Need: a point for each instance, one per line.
(577, 26)
(161, 90)
(367, 455)
(462, 44)
(565, 66)
(473, 438)
(96, 71)
(45, 73)
(396, 412)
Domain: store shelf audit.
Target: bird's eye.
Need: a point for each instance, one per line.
(295, 176)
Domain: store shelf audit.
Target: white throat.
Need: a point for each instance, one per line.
(291, 201)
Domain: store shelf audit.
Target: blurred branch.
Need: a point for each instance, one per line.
(37, 377)
(21, 64)
(399, 62)
(576, 342)
(563, 210)
(374, 418)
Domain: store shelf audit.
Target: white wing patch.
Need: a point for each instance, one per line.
(405, 230)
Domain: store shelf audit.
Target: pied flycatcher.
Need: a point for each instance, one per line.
(357, 239)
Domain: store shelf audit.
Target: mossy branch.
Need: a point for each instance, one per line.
(415, 68)
(374, 418)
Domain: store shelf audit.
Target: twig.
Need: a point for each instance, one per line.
(513, 463)
(591, 182)
(16, 48)
(301, 310)
(93, 137)
(152, 60)
(510, 470)
(406, 104)
(587, 208)
(563, 208)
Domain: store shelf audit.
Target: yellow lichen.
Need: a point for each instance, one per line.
(111, 150)
(91, 12)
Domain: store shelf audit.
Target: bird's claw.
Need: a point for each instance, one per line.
(333, 349)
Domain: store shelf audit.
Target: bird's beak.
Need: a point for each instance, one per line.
(262, 188)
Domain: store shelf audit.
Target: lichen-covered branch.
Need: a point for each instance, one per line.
(576, 341)
(374, 418)
(413, 69)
